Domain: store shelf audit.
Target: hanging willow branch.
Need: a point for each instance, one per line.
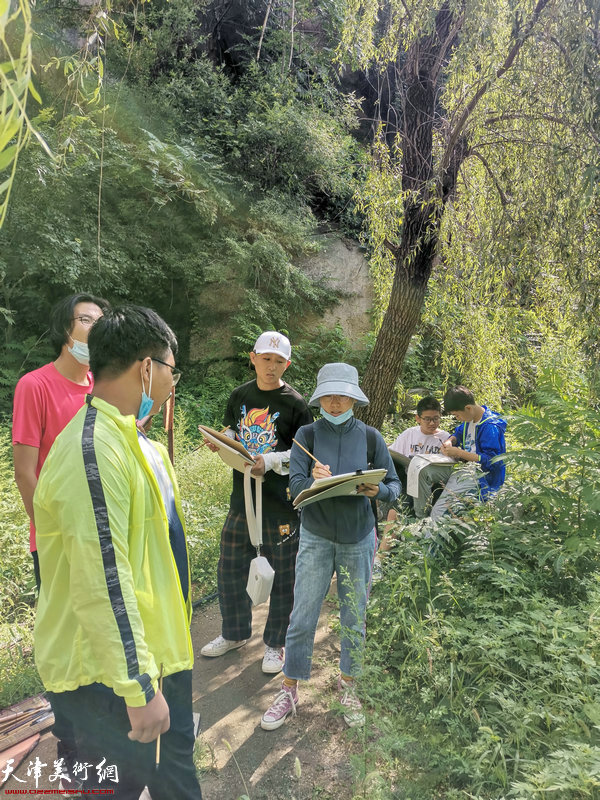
(15, 87)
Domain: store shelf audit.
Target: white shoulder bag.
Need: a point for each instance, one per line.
(261, 574)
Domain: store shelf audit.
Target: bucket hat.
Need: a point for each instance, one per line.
(338, 378)
(274, 342)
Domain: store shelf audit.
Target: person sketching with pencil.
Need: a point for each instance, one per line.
(337, 535)
(112, 637)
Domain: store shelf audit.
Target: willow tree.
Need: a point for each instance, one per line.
(450, 63)
(16, 85)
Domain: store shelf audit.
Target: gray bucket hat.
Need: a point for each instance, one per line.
(338, 378)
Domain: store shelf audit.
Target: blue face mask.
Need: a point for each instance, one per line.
(80, 352)
(146, 402)
(340, 419)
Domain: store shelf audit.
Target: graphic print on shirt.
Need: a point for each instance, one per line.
(425, 447)
(469, 444)
(257, 430)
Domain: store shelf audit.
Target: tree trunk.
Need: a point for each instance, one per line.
(414, 256)
(428, 187)
(421, 227)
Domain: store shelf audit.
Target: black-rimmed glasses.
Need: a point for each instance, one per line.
(176, 372)
(86, 320)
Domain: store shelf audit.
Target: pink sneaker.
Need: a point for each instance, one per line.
(284, 704)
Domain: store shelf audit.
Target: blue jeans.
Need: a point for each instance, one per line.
(317, 560)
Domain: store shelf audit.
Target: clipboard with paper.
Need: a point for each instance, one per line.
(230, 451)
(337, 486)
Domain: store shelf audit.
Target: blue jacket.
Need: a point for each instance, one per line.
(489, 442)
(344, 447)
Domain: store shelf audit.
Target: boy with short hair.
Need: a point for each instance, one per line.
(476, 442)
(49, 397)
(424, 438)
(112, 632)
(263, 415)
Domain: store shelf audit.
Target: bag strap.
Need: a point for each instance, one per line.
(253, 515)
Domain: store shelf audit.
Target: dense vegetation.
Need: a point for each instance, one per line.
(484, 663)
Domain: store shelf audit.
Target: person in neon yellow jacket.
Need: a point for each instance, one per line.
(114, 608)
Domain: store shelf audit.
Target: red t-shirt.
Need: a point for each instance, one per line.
(45, 401)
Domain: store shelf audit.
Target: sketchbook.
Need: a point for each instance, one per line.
(421, 461)
(338, 485)
(231, 451)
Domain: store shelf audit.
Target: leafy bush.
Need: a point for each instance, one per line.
(18, 675)
(492, 654)
(17, 582)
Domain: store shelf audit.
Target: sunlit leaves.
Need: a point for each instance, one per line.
(16, 84)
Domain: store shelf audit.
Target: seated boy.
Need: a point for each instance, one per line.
(476, 441)
(422, 439)
(425, 438)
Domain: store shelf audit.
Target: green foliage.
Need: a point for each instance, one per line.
(17, 582)
(492, 654)
(16, 85)
(516, 264)
(19, 677)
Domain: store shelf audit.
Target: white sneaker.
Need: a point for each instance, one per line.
(353, 713)
(220, 646)
(377, 573)
(273, 660)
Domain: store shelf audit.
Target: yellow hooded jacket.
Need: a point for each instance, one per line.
(111, 608)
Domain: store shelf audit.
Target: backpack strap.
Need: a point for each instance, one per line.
(310, 437)
(371, 445)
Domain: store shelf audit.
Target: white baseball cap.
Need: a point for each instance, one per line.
(274, 342)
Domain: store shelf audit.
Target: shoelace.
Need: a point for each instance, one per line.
(349, 698)
(281, 700)
(272, 654)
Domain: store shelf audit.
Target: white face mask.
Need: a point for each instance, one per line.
(80, 352)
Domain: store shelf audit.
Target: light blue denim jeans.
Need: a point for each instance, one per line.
(317, 560)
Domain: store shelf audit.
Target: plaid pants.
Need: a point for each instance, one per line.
(232, 576)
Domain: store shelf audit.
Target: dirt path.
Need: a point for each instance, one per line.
(231, 694)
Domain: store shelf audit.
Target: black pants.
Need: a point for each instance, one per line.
(280, 537)
(113, 761)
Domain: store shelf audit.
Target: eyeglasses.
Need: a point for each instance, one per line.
(175, 372)
(86, 320)
(431, 420)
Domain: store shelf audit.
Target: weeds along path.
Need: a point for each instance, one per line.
(234, 755)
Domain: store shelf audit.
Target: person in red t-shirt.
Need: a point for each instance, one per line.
(49, 397)
(46, 399)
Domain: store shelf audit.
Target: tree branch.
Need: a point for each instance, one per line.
(490, 172)
(508, 62)
(264, 28)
